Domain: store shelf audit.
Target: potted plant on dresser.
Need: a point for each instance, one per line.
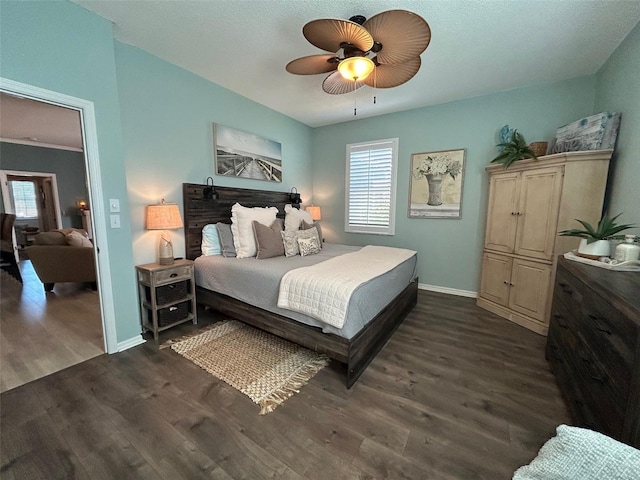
(595, 241)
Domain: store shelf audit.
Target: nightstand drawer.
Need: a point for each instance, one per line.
(172, 314)
(173, 274)
(169, 293)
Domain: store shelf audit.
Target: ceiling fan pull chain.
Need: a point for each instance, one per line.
(375, 84)
(355, 97)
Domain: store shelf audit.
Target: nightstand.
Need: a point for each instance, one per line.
(167, 295)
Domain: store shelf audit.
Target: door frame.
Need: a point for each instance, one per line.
(96, 196)
(19, 173)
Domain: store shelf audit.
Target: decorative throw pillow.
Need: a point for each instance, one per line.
(76, 239)
(306, 226)
(293, 217)
(226, 239)
(241, 218)
(268, 240)
(308, 246)
(210, 241)
(290, 240)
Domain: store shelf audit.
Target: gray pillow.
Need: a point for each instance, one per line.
(268, 240)
(226, 239)
(306, 226)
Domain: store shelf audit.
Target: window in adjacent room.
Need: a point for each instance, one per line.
(371, 187)
(24, 199)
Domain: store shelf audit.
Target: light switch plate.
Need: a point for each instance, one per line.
(114, 205)
(115, 221)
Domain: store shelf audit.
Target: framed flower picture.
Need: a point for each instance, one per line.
(435, 189)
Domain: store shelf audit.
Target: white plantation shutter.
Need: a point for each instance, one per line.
(371, 187)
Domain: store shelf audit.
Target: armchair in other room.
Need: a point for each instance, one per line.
(64, 255)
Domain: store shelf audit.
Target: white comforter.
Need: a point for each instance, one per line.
(323, 290)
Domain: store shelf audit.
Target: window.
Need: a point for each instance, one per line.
(371, 187)
(24, 199)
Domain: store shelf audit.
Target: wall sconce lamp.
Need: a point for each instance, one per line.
(209, 192)
(294, 197)
(315, 211)
(164, 216)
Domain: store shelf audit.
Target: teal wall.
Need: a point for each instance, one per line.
(167, 117)
(62, 47)
(449, 251)
(618, 90)
(68, 166)
(154, 133)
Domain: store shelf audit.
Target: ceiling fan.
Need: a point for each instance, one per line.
(381, 52)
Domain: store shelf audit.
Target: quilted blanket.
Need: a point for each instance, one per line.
(581, 454)
(323, 290)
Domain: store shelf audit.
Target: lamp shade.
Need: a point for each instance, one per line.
(316, 213)
(163, 216)
(356, 68)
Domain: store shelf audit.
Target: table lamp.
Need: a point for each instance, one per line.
(314, 210)
(164, 216)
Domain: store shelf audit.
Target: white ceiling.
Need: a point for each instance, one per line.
(477, 46)
(29, 122)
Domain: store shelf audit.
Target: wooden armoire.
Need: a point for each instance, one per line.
(529, 203)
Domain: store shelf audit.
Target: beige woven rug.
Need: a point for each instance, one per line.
(264, 367)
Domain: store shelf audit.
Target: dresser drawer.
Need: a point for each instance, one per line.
(606, 403)
(566, 316)
(568, 290)
(560, 358)
(611, 340)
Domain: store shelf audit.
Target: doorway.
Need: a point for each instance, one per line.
(33, 197)
(94, 186)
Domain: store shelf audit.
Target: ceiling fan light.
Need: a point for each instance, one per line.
(356, 68)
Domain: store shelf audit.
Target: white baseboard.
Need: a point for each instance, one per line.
(450, 291)
(130, 343)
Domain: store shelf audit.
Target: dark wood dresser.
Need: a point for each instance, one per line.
(594, 347)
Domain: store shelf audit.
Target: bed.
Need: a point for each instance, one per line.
(354, 346)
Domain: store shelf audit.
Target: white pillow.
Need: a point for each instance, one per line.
(210, 240)
(294, 217)
(290, 240)
(241, 218)
(76, 239)
(308, 246)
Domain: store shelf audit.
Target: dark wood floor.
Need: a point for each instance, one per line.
(457, 393)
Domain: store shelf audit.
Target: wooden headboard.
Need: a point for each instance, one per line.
(199, 212)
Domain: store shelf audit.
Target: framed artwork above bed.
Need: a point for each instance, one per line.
(246, 155)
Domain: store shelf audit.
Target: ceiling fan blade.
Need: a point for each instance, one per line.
(336, 84)
(403, 35)
(329, 33)
(387, 76)
(313, 64)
